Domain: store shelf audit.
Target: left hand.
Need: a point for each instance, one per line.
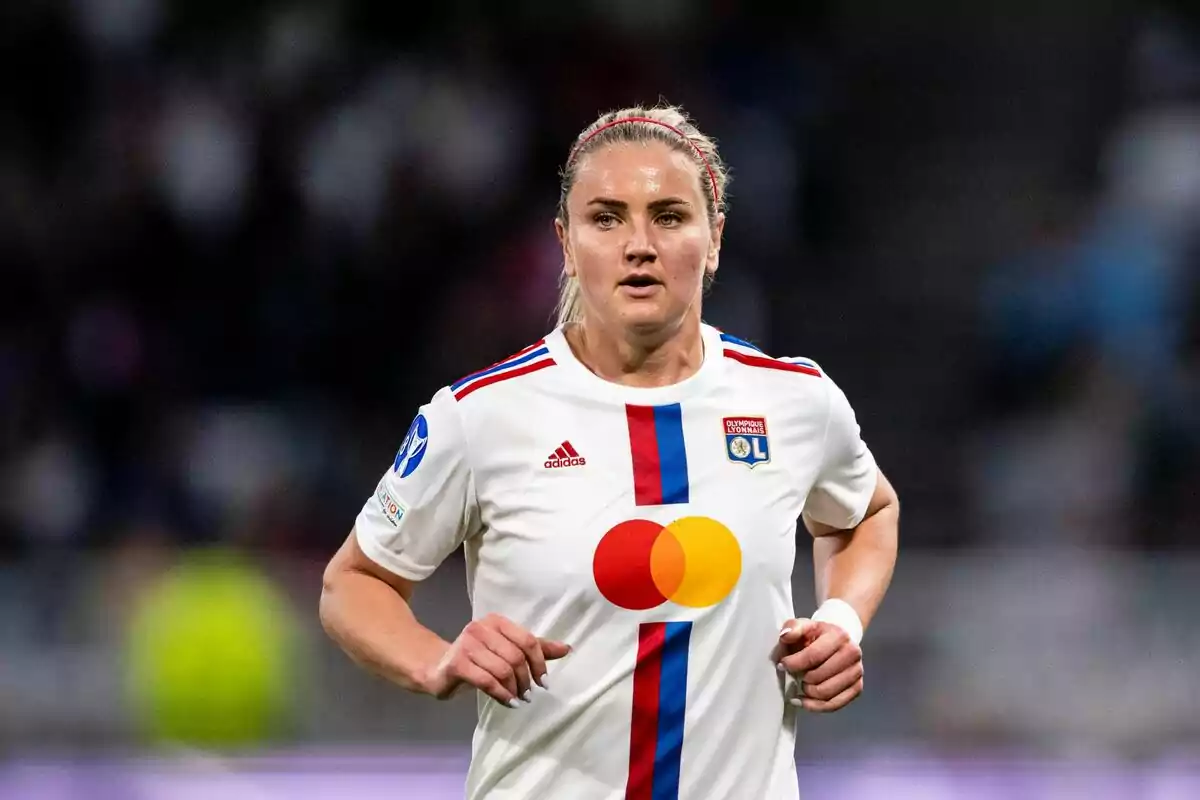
(827, 666)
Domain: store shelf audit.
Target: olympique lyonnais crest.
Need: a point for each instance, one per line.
(746, 440)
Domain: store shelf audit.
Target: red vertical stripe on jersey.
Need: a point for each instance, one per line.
(643, 444)
(643, 738)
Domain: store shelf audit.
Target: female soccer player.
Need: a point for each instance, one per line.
(627, 491)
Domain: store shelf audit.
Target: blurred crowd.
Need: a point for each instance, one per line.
(1090, 402)
(240, 244)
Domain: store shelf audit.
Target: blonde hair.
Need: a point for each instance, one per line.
(661, 123)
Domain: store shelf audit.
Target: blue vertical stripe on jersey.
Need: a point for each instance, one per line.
(672, 702)
(672, 455)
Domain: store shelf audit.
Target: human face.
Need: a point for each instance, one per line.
(639, 238)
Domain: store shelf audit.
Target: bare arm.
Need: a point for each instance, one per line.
(365, 609)
(856, 565)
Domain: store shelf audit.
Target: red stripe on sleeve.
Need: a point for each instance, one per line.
(770, 363)
(503, 376)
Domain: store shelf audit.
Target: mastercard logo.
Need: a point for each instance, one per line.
(693, 561)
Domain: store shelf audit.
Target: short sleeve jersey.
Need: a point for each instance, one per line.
(653, 530)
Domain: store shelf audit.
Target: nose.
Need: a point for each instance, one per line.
(639, 249)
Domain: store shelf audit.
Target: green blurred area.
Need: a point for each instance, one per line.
(213, 654)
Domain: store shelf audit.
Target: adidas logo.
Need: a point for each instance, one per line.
(564, 456)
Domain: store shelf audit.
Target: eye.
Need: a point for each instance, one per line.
(669, 219)
(604, 219)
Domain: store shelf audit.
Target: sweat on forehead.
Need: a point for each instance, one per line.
(651, 166)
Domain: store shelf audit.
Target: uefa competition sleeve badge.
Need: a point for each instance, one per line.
(412, 450)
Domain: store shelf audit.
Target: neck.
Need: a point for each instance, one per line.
(635, 359)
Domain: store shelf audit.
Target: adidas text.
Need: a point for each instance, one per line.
(556, 463)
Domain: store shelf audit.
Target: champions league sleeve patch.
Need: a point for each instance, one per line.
(412, 450)
(746, 440)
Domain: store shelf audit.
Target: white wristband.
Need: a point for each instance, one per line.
(840, 613)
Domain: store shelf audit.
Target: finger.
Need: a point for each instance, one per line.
(530, 649)
(513, 655)
(497, 667)
(847, 656)
(483, 680)
(794, 630)
(816, 653)
(843, 699)
(832, 687)
(553, 650)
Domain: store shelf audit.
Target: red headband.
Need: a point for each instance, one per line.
(712, 176)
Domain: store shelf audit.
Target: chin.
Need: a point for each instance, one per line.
(647, 319)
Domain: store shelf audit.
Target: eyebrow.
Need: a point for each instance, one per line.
(665, 202)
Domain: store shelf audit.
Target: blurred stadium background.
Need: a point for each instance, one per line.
(241, 242)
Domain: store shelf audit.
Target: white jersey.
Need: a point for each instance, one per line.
(653, 530)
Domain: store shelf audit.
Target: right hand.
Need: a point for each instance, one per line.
(498, 657)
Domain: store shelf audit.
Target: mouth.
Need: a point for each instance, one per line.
(640, 280)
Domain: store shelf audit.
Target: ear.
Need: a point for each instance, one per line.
(560, 229)
(712, 260)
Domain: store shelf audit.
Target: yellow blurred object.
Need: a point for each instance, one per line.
(211, 652)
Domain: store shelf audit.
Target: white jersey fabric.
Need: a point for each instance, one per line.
(653, 530)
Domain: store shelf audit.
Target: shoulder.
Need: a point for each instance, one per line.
(519, 368)
(752, 358)
(799, 386)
